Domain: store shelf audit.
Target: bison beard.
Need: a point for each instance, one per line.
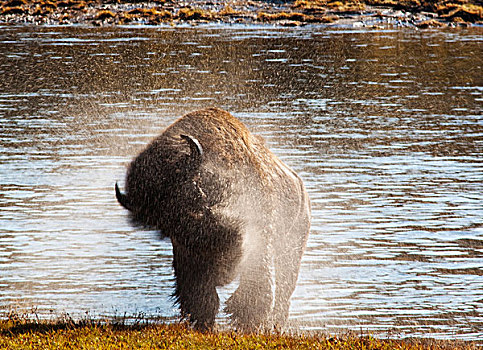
(231, 208)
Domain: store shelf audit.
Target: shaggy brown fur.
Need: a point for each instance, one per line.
(230, 207)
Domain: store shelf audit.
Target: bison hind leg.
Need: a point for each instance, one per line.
(287, 258)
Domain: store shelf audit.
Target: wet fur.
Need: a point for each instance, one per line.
(230, 207)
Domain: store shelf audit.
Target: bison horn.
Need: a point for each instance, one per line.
(122, 198)
(195, 147)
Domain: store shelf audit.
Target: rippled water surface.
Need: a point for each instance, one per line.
(385, 127)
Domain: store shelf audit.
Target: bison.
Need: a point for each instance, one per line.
(230, 208)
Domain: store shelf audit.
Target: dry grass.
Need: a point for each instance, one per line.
(293, 16)
(456, 12)
(23, 333)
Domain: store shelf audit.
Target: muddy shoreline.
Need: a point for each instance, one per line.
(353, 13)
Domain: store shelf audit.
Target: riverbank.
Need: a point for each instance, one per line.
(355, 13)
(91, 335)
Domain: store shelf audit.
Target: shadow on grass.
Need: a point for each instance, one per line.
(29, 322)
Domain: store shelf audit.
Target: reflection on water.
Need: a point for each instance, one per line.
(385, 127)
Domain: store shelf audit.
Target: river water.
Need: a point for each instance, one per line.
(384, 126)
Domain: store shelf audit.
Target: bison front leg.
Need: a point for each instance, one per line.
(195, 289)
(251, 303)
